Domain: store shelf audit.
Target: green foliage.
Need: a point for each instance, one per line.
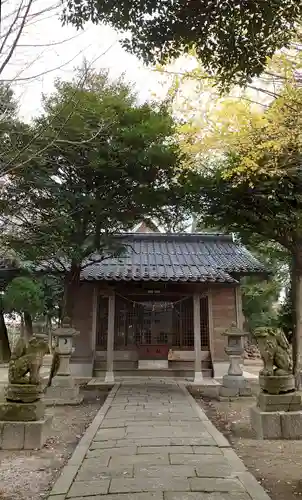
(260, 297)
(233, 39)
(24, 295)
(258, 301)
(256, 188)
(13, 132)
(52, 288)
(102, 163)
(97, 163)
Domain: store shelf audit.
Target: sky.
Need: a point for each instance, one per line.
(48, 49)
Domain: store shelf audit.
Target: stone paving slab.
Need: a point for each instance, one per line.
(151, 441)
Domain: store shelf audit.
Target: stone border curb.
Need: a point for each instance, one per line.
(69, 471)
(220, 440)
(250, 483)
(254, 489)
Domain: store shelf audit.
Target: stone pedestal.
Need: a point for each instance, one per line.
(31, 435)
(63, 390)
(23, 393)
(276, 384)
(233, 383)
(23, 424)
(277, 415)
(235, 386)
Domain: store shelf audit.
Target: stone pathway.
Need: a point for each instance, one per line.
(151, 441)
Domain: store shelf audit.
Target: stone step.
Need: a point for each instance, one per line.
(169, 372)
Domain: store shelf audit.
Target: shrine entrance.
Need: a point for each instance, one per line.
(156, 333)
(153, 331)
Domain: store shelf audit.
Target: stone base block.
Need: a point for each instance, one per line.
(276, 425)
(207, 389)
(24, 435)
(245, 392)
(63, 381)
(63, 396)
(22, 412)
(231, 390)
(279, 402)
(234, 381)
(266, 425)
(291, 424)
(228, 392)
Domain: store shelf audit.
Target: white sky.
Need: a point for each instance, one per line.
(32, 57)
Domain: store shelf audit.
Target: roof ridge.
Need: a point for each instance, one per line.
(178, 236)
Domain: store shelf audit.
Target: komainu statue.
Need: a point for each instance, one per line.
(26, 361)
(275, 351)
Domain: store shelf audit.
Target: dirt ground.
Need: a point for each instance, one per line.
(277, 465)
(29, 475)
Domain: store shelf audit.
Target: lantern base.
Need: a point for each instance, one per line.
(234, 386)
(63, 391)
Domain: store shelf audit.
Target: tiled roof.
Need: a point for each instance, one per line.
(176, 257)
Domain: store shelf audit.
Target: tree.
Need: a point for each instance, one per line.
(25, 297)
(260, 296)
(233, 39)
(255, 188)
(12, 131)
(103, 163)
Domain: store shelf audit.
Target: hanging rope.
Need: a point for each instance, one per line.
(165, 306)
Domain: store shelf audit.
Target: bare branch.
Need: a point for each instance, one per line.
(14, 44)
(46, 72)
(51, 44)
(10, 29)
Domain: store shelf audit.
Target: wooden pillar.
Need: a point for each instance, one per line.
(239, 313)
(211, 324)
(95, 306)
(197, 340)
(239, 316)
(110, 340)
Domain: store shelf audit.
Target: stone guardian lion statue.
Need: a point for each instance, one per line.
(26, 361)
(275, 351)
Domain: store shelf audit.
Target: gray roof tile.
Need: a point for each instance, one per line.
(176, 257)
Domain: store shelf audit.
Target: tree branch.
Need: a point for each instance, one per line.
(14, 44)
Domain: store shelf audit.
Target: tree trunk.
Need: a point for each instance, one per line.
(22, 329)
(71, 284)
(5, 352)
(297, 310)
(28, 325)
(49, 331)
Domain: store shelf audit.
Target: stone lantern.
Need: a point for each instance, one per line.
(233, 383)
(65, 336)
(63, 389)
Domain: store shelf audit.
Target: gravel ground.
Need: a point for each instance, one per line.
(276, 464)
(29, 475)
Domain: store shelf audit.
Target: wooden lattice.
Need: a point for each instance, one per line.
(149, 322)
